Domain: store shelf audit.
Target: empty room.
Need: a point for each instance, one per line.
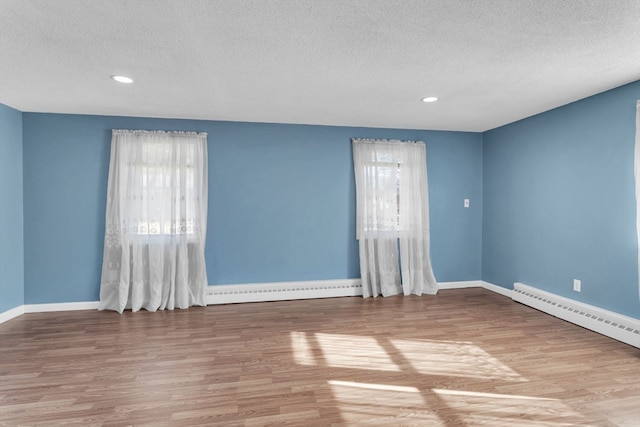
(325, 213)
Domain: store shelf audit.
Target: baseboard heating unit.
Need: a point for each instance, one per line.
(258, 292)
(614, 325)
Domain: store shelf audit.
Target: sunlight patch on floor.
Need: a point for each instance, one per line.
(488, 395)
(354, 352)
(302, 350)
(381, 404)
(490, 409)
(453, 359)
(441, 358)
(368, 386)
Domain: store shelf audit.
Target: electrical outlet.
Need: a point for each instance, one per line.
(466, 203)
(577, 285)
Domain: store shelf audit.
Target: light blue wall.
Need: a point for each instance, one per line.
(11, 209)
(281, 201)
(559, 201)
(552, 199)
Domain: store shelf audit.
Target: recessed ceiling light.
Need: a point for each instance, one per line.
(122, 79)
(430, 99)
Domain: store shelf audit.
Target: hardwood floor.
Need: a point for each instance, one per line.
(465, 357)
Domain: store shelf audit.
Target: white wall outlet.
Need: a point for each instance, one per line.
(466, 203)
(577, 285)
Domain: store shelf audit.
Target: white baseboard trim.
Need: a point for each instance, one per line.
(44, 308)
(476, 284)
(613, 325)
(278, 291)
(460, 285)
(10, 314)
(497, 289)
(61, 306)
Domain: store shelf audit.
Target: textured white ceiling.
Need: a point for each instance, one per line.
(340, 62)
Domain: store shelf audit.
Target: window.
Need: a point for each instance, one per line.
(166, 185)
(388, 184)
(386, 197)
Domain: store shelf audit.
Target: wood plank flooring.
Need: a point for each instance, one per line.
(465, 357)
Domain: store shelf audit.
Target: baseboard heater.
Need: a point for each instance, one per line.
(614, 325)
(258, 292)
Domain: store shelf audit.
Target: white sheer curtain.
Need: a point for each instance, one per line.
(393, 217)
(156, 221)
(637, 176)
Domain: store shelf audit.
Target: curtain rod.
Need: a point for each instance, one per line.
(169, 132)
(385, 141)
